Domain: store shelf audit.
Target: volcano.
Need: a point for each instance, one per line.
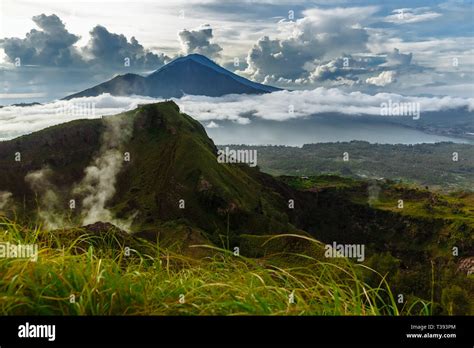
(193, 74)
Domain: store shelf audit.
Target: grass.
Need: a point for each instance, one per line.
(320, 182)
(95, 275)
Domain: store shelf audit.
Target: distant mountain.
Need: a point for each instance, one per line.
(22, 104)
(194, 74)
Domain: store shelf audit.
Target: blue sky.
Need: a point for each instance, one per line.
(406, 47)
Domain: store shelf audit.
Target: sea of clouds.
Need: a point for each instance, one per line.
(279, 106)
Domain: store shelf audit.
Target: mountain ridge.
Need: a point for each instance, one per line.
(171, 159)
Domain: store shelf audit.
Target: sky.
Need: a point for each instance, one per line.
(49, 49)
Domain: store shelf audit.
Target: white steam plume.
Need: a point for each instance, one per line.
(50, 210)
(5, 199)
(100, 179)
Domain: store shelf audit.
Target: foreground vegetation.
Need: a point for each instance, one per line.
(97, 275)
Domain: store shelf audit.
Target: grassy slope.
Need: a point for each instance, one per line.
(105, 281)
(172, 158)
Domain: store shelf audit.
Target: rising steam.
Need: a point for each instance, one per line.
(4, 199)
(50, 209)
(98, 185)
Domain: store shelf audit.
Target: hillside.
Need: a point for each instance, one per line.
(171, 159)
(153, 171)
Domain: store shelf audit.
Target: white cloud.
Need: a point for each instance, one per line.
(280, 106)
(15, 120)
(395, 58)
(317, 34)
(320, 34)
(383, 79)
(199, 41)
(212, 124)
(284, 105)
(411, 15)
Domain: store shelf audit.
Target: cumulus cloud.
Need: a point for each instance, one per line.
(314, 52)
(395, 58)
(199, 41)
(350, 70)
(50, 46)
(320, 34)
(110, 49)
(328, 70)
(411, 15)
(383, 79)
(342, 69)
(212, 124)
(281, 105)
(54, 46)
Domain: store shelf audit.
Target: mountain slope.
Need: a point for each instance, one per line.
(193, 74)
(171, 159)
(157, 168)
(122, 85)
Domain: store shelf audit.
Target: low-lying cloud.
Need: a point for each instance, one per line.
(280, 106)
(383, 79)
